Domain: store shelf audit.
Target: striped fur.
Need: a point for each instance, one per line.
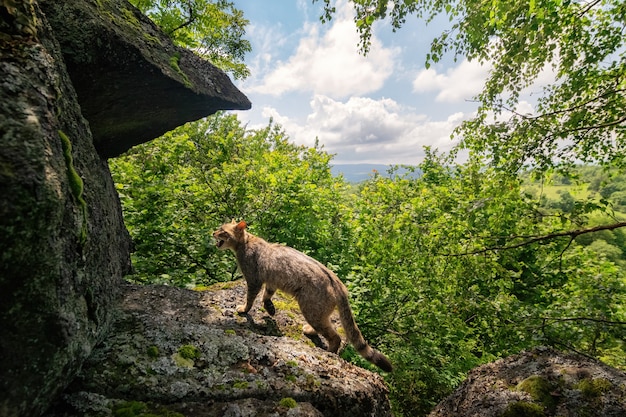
(316, 288)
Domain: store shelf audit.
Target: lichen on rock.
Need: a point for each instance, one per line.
(209, 358)
(539, 382)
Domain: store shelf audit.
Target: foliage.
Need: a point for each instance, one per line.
(178, 189)
(579, 117)
(213, 29)
(440, 273)
(428, 291)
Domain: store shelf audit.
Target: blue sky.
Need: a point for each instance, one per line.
(381, 108)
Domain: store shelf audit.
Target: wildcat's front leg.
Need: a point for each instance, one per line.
(253, 290)
(267, 300)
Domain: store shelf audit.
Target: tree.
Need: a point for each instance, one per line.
(427, 293)
(177, 189)
(579, 117)
(213, 29)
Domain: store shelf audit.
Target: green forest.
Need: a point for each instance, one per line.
(451, 263)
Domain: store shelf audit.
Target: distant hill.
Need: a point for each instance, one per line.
(360, 172)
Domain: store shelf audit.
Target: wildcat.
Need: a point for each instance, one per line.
(316, 288)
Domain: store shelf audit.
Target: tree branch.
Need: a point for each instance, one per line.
(188, 22)
(571, 233)
(619, 323)
(567, 110)
(589, 6)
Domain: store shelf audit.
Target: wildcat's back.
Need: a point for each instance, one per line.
(316, 288)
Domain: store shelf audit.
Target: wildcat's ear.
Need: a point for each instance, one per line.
(241, 225)
(232, 221)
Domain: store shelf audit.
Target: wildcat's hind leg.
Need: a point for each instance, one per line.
(325, 328)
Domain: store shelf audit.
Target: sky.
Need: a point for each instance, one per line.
(382, 108)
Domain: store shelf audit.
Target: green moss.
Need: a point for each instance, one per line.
(523, 409)
(286, 303)
(130, 409)
(230, 332)
(174, 61)
(311, 381)
(221, 286)
(129, 16)
(140, 409)
(6, 170)
(591, 388)
(288, 402)
(75, 182)
(182, 362)
(153, 352)
(151, 38)
(240, 385)
(539, 389)
(292, 364)
(291, 378)
(189, 352)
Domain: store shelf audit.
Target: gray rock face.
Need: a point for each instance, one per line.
(63, 244)
(189, 352)
(541, 382)
(133, 84)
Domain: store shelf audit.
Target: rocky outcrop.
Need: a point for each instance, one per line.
(63, 244)
(541, 382)
(133, 84)
(175, 350)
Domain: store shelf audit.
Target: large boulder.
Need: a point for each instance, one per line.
(540, 382)
(133, 84)
(173, 350)
(63, 245)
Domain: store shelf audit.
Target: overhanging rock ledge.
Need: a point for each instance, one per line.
(132, 83)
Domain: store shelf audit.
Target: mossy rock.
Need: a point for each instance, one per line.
(540, 390)
(523, 409)
(592, 388)
(153, 352)
(288, 402)
(189, 352)
(141, 409)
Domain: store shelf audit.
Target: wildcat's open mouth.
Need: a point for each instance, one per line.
(219, 243)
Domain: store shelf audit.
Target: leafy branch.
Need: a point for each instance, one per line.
(592, 319)
(572, 234)
(190, 20)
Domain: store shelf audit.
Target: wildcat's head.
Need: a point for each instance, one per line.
(229, 235)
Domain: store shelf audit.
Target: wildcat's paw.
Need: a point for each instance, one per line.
(242, 310)
(308, 330)
(269, 307)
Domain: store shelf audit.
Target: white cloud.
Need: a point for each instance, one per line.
(329, 63)
(367, 130)
(457, 84)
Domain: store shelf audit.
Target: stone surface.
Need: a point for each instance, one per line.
(63, 245)
(133, 84)
(234, 365)
(64, 250)
(541, 382)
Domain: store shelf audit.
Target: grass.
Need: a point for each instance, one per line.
(554, 192)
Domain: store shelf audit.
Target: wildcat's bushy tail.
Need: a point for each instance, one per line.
(355, 337)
